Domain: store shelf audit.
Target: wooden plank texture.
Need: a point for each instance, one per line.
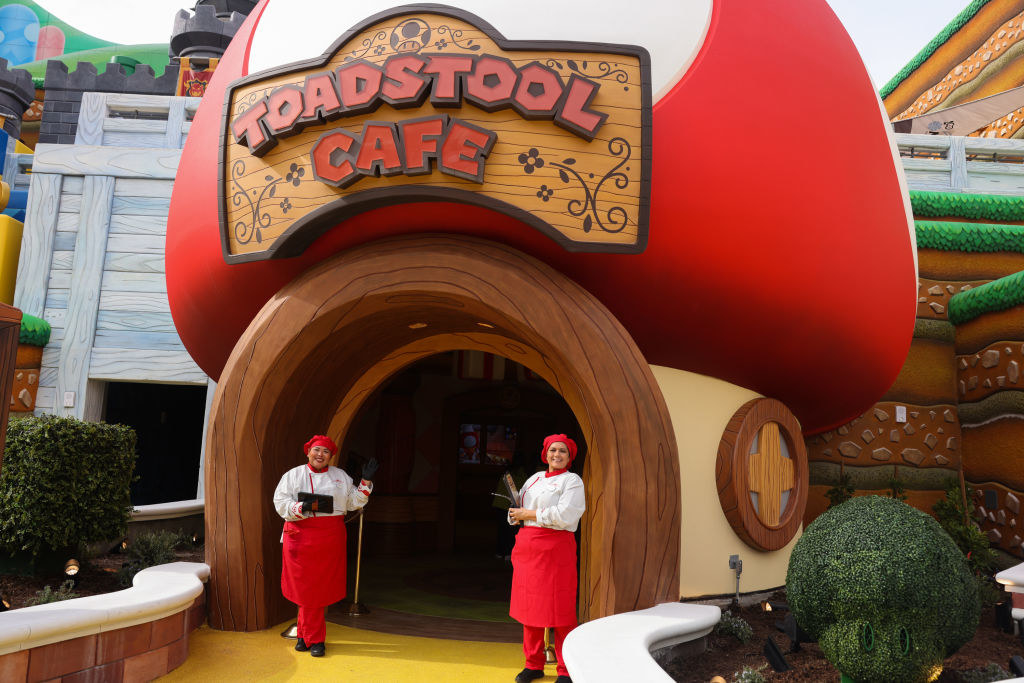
(135, 263)
(37, 244)
(90, 119)
(115, 281)
(73, 369)
(143, 187)
(114, 161)
(149, 365)
(132, 339)
(138, 225)
(135, 321)
(142, 206)
(136, 244)
(147, 302)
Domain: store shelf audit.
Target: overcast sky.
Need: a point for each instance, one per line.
(888, 33)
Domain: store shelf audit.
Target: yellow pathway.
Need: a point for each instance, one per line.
(352, 655)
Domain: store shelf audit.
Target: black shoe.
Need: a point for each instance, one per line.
(563, 679)
(527, 675)
(300, 645)
(317, 649)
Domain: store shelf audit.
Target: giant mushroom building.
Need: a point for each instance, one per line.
(365, 187)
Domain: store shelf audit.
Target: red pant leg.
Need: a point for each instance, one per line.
(560, 633)
(312, 624)
(533, 647)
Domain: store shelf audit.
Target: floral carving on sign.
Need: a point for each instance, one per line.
(258, 217)
(410, 37)
(593, 210)
(597, 70)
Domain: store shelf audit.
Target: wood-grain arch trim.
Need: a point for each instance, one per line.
(340, 329)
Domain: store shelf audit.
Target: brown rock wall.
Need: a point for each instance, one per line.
(928, 375)
(998, 512)
(994, 368)
(975, 335)
(929, 438)
(967, 267)
(994, 452)
(933, 296)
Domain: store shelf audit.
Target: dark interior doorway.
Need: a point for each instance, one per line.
(168, 422)
(445, 430)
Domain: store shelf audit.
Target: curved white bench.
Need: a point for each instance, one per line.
(180, 508)
(156, 592)
(618, 648)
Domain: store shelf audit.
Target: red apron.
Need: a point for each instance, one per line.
(313, 574)
(544, 577)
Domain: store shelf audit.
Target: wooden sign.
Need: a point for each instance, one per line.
(430, 103)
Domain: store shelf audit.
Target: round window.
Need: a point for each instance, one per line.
(762, 474)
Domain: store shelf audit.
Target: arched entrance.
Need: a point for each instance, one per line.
(320, 346)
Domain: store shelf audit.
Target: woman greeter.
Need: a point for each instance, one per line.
(544, 557)
(313, 575)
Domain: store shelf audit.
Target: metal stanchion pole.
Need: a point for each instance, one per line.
(357, 608)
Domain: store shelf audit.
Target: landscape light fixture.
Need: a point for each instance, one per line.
(1004, 616)
(71, 569)
(774, 656)
(1017, 665)
(773, 606)
(793, 631)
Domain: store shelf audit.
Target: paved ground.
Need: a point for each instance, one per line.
(352, 655)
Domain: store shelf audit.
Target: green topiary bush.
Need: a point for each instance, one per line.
(883, 589)
(64, 483)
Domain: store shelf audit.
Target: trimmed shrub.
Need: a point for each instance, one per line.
(841, 492)
(883, 589)
(986, 674)
(969, 237)
(971, 540)
(149, 550)
(750, 675)
(64, 483)
(734, 626)
(984, 207)
(66, 591)
(34, 331)
(998, 295)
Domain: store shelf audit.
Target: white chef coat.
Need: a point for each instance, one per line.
(558, 500)
(334, 482)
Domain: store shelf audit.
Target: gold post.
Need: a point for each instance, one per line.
(549, 649)
(355, 609)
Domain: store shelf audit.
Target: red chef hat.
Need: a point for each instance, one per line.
(548, 440)
(321, 440)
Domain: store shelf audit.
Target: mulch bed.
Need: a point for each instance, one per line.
(726, 656)
(97, 575)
